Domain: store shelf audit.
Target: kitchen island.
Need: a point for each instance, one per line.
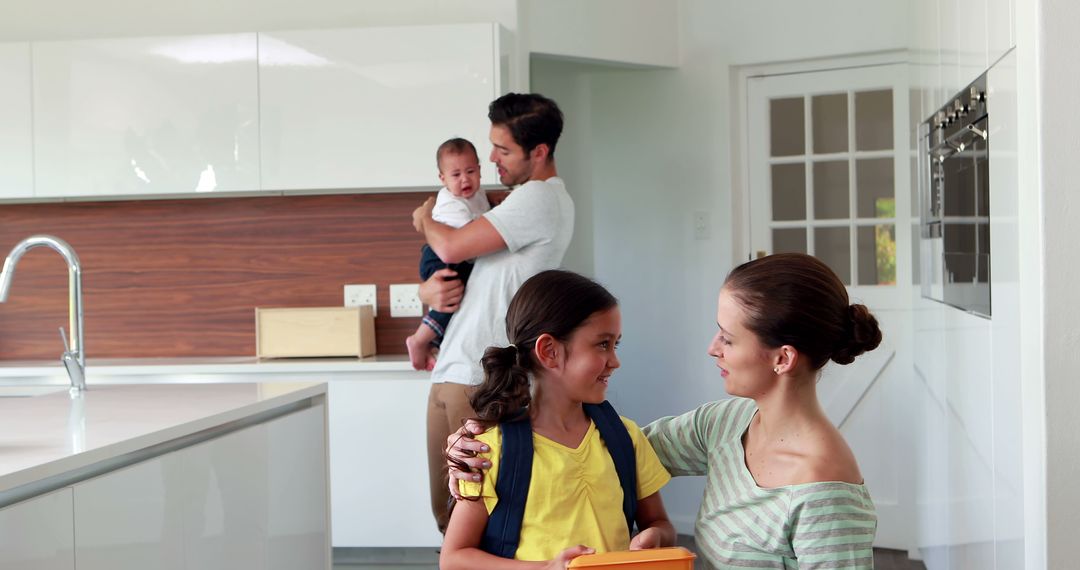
(375, 395)
(169, 476)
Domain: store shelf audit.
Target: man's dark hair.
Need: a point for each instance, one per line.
(531, 118)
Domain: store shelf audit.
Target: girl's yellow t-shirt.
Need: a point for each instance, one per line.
(574, 494)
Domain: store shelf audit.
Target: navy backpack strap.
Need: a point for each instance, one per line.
(503, 530)
(621, 447)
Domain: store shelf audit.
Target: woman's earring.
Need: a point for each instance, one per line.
(776, 370)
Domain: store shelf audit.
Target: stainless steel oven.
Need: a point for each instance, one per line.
(955, 202)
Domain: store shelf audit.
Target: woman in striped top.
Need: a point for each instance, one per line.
(783, 489)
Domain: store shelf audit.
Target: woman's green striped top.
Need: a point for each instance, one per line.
(742, 525)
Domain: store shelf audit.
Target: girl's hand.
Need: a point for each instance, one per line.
(562, 561)
(648, 538)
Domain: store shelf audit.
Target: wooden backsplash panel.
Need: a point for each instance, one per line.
(183, 277)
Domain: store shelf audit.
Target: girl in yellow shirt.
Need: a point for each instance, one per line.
(563, 330)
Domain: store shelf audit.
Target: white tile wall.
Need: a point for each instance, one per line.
(970, 484)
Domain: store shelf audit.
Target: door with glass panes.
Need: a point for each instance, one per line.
(829, 169)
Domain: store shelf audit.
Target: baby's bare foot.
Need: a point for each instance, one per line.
(419, 353)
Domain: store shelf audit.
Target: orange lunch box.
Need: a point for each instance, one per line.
(673, 558)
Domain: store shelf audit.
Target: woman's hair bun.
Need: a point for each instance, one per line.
(863, 335)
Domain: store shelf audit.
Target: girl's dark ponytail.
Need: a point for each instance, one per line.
(504, 394)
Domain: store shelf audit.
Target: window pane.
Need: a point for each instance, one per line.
(789, 191)
(914, 186)
(829, 123)
(833, 246)
(916, 260)
(787, 127)
(831, 190)
(789, 240)
(876, 254)
(873, 120)
(874, 188)
(914, 114)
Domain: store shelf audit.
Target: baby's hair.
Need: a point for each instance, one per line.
(554, 302)
(455, 145)
(796, 299)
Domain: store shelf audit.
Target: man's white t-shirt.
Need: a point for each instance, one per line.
(456, 211)
(536, 221)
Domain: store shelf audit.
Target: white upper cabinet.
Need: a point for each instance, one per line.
(367, 107)
(137, 116)
(16, 154)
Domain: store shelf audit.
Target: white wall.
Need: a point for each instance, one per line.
(1059, 147)
(641, 32)
(568, 84)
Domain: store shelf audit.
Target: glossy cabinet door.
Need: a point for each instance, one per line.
(225, 511)
(132, 518)
(258, 498)
(254, 498)
(298, 482)
(368, 107)
(371, 510)
(37, 534)
(16, 139)
(138, 116)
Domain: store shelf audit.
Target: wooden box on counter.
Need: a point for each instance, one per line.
(314, 331)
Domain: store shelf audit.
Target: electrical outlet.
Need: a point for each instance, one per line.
(405, 300)
(356, 295)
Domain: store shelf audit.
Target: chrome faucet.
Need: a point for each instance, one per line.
(74, 357)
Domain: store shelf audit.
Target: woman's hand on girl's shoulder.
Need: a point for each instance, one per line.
(562, 561)
(462, 448)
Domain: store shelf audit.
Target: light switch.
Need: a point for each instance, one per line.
(701, 225)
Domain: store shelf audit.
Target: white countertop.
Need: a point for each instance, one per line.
(204, 369)
(47, 436)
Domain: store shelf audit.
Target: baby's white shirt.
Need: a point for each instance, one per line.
(456, 212)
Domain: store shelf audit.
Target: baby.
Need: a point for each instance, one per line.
(459, 202)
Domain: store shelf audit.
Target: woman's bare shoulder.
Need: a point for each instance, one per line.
(829, 458)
